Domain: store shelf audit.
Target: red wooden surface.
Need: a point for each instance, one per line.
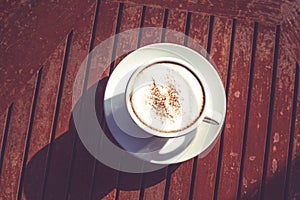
(293, 190)
(236, 108)
(11, 166)
(84, 174)
(199, 28)
(254, 10)
(27, 23)
(128, 184)
(43, 121)
(4, 123)
(104, 179)
(282, 12)
(59, 165)
(198, 31)
(30, 33)
(257, 156)
(178, 182)
(154, 17)
(281, 125)
(257, 124)
(206, 170)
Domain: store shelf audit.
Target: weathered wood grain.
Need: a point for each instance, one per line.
(285, 13)
(179, 175)
(262, 11)
(13, 154)
(293, 190)
(128, 186)
(277, 158)
(43, 158)
(104, 179)
(257, 125)
(60, 149)
(219, 53)
(198, 32)
(4, 124)
(151, 189)
(131, 19)
(290, 11)
(30, 33)
(43, 122)
(84, 165)
(176, 23)
(236, 110)
(154, 17)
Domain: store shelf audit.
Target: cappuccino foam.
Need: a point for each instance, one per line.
(167, 97)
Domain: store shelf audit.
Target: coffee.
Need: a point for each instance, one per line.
(167, 97)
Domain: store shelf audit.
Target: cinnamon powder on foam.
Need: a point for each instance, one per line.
(165, 101)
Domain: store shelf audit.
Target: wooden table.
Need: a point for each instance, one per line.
(255, 46)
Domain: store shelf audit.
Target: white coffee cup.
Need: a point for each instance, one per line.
(166, 97)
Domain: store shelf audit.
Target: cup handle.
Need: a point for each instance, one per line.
(213, 117)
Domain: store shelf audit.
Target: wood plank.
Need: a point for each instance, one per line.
(104, 29)
(257, 127)
(58, 167)
(293, 191)
(220, 47)
(291, 27)
(104, 179)
(154, 17)
(128, 186)
(179, 175)
(206, 169)
(81, 179)
(16, 141)
(27, 39)
(180, 180)
(48, 154)
(199, 31)
(273, 13)
(84, 164)
(42, 123)
(199, 27)
(4, 124)
(153, 183)
(278, 143)
(236, 111)
(262, 11)
(157, 190)
(131, 19)
(176, 23)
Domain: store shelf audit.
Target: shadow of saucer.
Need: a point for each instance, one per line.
(72, 172)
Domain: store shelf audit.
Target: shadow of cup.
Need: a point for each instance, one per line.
(65, 168)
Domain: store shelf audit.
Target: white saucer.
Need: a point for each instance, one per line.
(143, 145)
